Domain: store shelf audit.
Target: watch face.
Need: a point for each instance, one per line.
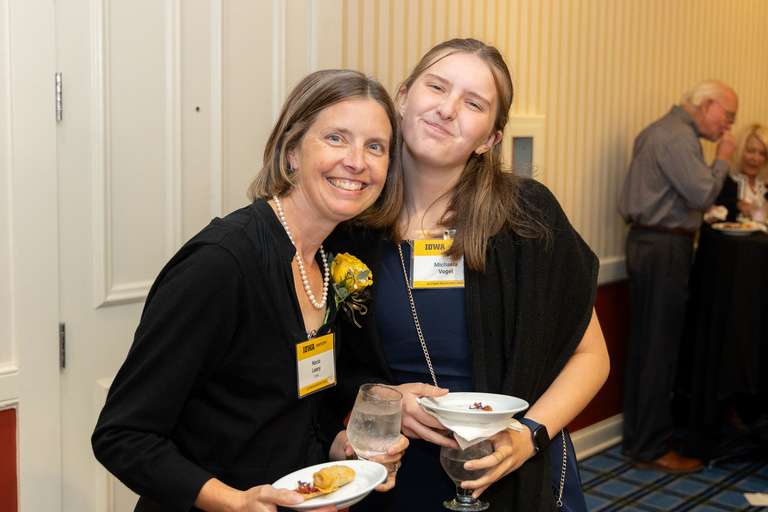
(542, 438)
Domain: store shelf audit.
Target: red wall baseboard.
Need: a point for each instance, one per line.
(612, 306)
(8, 483)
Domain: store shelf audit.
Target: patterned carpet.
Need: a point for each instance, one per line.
(611, 484)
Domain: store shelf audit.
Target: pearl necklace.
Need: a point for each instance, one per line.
(304, 279)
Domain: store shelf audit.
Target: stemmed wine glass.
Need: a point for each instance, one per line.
(452, 460)
(374, 424)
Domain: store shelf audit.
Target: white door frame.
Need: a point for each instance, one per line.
(32, 158)
(30, 381)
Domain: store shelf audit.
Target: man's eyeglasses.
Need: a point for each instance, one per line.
(730, 116)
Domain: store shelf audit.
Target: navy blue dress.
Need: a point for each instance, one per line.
(421, 483)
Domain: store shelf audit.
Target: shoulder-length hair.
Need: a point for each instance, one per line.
(314, 93)
(758, 131)
(486, 198)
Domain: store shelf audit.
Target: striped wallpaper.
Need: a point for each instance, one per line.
(598, 71)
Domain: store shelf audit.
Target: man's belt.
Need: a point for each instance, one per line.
(676, 231)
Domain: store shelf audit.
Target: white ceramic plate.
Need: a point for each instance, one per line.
(735, 228)
(456, 407)
(367, 476)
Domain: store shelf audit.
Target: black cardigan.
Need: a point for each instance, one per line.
(209, 387)
(525, 316)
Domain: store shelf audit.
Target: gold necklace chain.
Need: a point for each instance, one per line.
(416, 317)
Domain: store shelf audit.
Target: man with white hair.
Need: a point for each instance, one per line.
(668, 187)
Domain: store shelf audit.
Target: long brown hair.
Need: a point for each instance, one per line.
(486, 198)
(315, 92)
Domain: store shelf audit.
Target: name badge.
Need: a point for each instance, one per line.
(430, 269)
(315, 364)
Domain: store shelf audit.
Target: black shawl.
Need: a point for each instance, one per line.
(525, 317)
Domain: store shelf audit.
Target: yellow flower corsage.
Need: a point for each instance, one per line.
(350, 279)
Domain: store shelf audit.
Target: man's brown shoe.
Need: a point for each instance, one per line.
(670, 463)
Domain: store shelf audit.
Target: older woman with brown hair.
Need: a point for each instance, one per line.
(210, 406)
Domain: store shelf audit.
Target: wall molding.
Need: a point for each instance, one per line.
(7, 286)
(611, 270)
(173, 123)
(278, 57)
(313, 36)
(101, 152)
(104, 486)
(596, 438)
(217, 163)
(9, 385)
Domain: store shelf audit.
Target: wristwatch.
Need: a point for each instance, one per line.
(540, 435)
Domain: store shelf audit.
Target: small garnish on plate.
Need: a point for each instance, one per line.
(306, 487)
(480, 407)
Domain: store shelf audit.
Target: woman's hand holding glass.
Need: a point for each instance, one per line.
(511, 450)
(373, 430)
(391, 460)
(416, 422)
(342, 448)
(374, 424)
(454, 462)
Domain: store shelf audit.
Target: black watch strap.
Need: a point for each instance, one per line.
(541, 438)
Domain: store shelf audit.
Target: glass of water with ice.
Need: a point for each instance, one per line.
(374, 424)
(453, 460)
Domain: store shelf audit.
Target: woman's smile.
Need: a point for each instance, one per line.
(438, 127)
(347, 184)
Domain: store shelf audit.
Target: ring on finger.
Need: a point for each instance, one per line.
(499, 456)
(395, 468)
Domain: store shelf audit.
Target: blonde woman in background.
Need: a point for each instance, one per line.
(744, 190)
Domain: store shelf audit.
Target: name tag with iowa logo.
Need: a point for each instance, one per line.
(316, 364)
(430, 269)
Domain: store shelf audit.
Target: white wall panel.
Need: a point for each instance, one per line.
(136, 144)
(328, 20)
(184, 116)
(253, 76)
(201, 143)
